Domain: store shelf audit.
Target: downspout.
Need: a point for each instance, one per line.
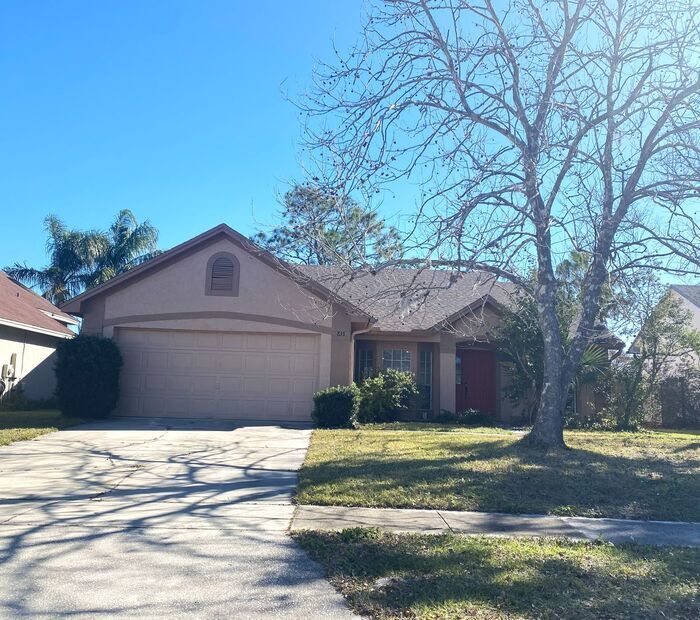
(359, 332)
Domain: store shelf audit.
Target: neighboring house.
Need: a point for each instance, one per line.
(676, 367)
(689, 296)
(30, 329)
(218, 327)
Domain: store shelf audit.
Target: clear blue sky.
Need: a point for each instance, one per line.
(172, 109)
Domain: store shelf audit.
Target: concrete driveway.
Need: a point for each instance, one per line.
(142, 519)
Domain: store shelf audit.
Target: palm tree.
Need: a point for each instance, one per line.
(72, 256)
(82, 259)
(125, 245)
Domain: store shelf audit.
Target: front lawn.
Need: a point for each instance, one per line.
(20, 425)
(386, 575)
(627, 475)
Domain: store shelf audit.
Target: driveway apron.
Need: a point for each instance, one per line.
(157, 518)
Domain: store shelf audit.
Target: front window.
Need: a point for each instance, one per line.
(458, 370)
(398, 359)
(425, 379)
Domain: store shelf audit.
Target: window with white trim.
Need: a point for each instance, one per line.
(398, 359)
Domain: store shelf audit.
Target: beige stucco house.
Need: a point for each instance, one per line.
(217, 327)
(30, 329)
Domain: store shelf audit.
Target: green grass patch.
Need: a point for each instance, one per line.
(644, 475)
(385, 575)
(21, 425)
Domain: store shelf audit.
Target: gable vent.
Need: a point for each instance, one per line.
(222, 274)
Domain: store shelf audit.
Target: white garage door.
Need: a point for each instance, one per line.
(263, 376)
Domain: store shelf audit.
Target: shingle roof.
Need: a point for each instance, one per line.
(404, 300)
(689, 291)
(18, 304)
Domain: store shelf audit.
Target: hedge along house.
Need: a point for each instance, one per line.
(218, 328)
(30, 329)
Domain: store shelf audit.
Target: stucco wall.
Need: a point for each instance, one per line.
(476, 326)
(35, 360)
(180, 287)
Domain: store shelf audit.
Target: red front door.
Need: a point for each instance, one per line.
(476, 380)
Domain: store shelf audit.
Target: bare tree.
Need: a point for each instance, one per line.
(534, 128)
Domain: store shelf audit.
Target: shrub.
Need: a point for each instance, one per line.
(386, 395)
(15, 400)
(469, 417)
(337, 407)
(87, 376)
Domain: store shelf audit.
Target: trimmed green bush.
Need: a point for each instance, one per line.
(387, 395)
(337, 407)
(87, 376)
(469, 417)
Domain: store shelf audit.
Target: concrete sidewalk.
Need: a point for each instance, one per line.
(496, 524)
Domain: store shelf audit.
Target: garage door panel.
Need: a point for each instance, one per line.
(232, 341)
(255, 385)
(180, 360)
(302, 387)
(179, 384)
(218, 374)
(158, 339)
(132, 359)
(230, 386)
(304, 365)
(206, 384)
(153, 405)
(282, 342)
(258, 342)
(305, 344)
(256, 408)
(203, 361)
(300, 410)
(130, 381)
(230, 361)
(206, 340)
(254, 363)
(281, 364)
(156, 383)
(279, 387)
(205, 407)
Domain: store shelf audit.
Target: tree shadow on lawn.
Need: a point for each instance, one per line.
(547, 579)
(507, 476)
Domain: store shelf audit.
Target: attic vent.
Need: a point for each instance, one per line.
(222, 275)
(223, 270)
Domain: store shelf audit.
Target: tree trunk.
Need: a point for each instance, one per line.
(548, 430)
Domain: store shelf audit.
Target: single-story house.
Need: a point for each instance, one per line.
(217, 327)
(688, 296)
(30, 329)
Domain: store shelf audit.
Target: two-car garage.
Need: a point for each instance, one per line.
(219, 328)
(244, 375)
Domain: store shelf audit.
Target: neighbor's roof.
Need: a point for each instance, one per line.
(404, 300)
(22, 308)
(689, 291)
